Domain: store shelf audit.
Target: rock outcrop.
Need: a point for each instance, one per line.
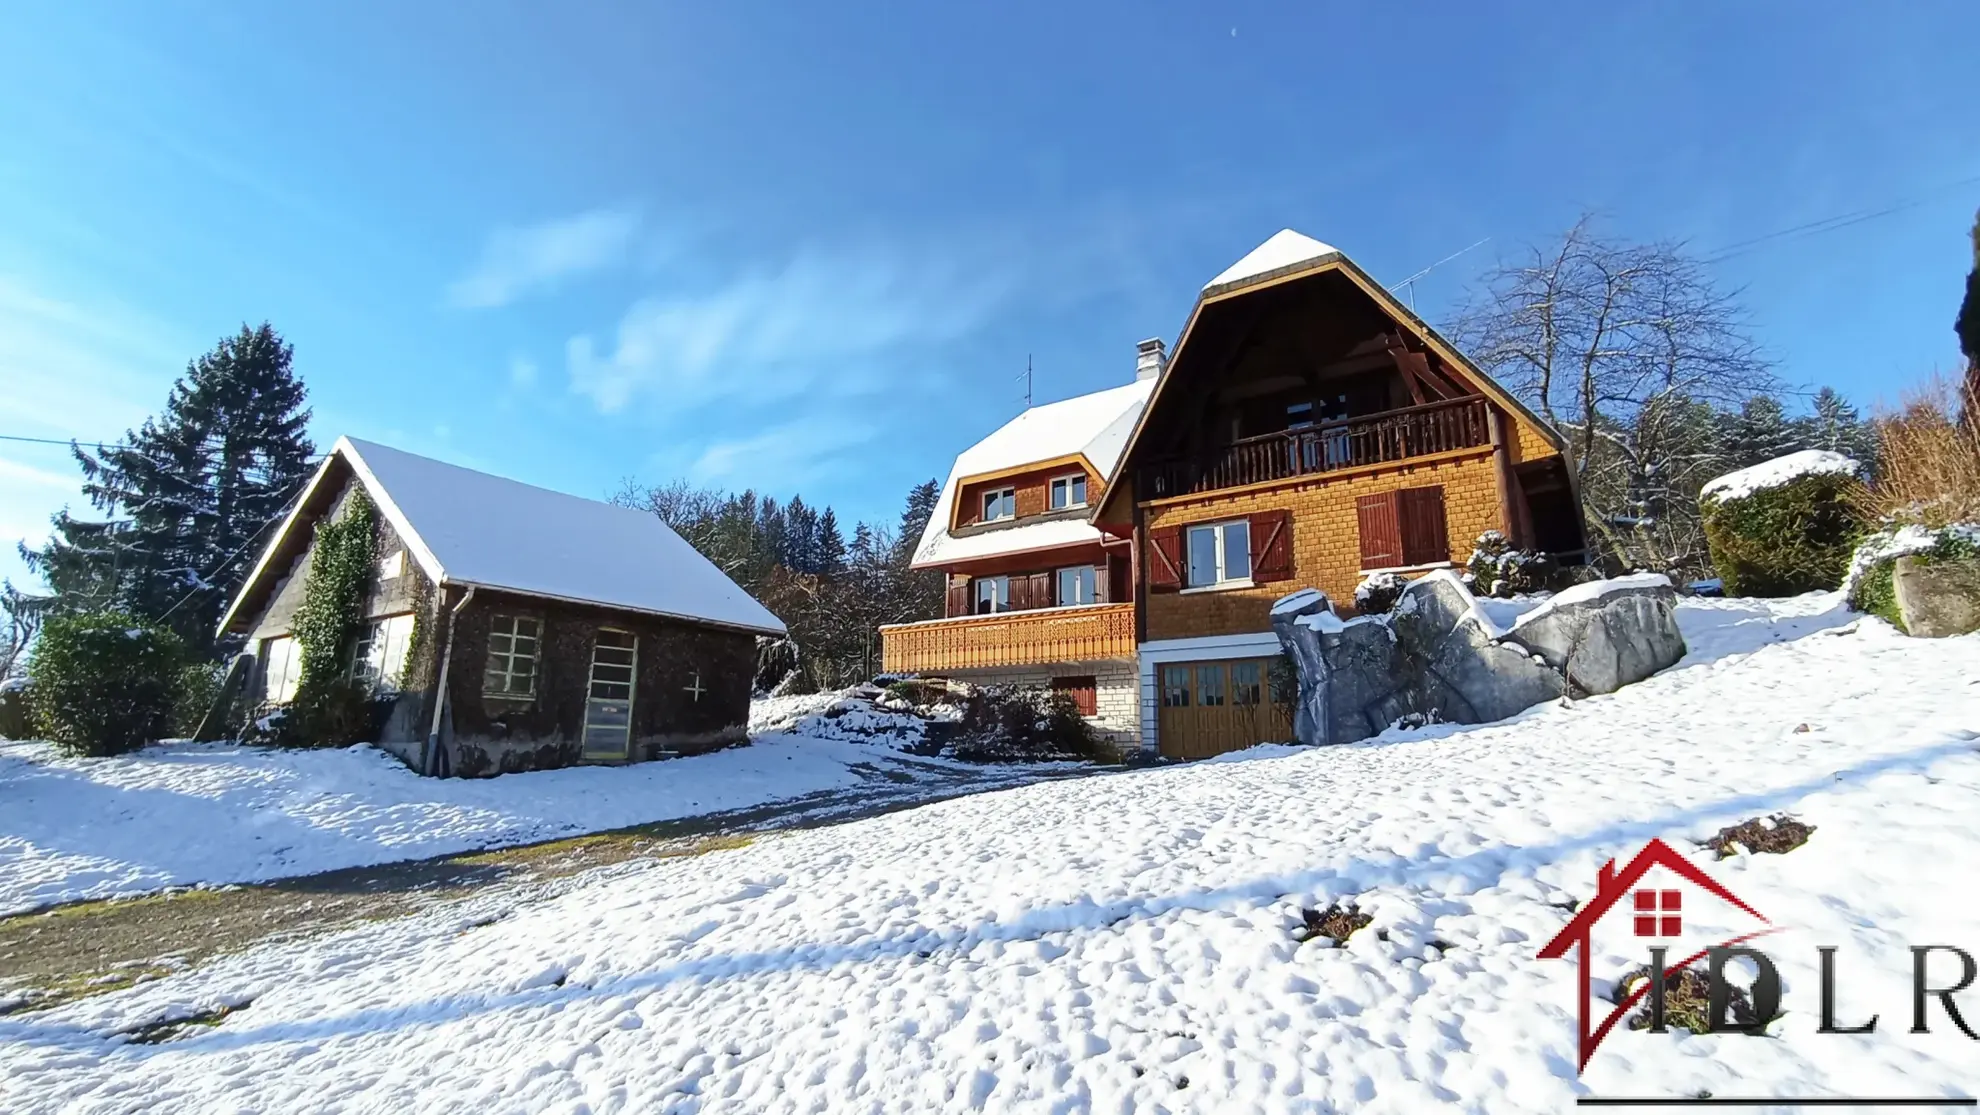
(1937, 599)
(1439, 656)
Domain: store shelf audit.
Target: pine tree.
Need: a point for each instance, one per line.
(831, 545)
(914, 517)
(189, 494)
(1760, 432)
(1837, 427)
(1967, 325)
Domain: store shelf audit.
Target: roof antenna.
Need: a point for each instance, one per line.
(1027, 381)
(1410, 282)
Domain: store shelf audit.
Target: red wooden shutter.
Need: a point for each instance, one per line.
(1271, 546)
(1381, 534)
(959, 604)
(1100, 583)
(1165, 559)
(1041, 590)
(1020, 589)
(1424, 538)
(1082, 690)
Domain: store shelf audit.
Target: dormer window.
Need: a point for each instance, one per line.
(1069, 491)
(999, 504)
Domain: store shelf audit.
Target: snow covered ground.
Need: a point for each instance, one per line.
(184, 814)
(1126, 943)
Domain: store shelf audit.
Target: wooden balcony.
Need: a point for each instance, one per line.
(1079, 634)
(1392, 435)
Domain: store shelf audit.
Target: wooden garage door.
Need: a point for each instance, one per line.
(1208, 708)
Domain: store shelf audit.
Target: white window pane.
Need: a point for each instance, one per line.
(1203, 556)
(1068, 587)
(396, 641)
(1237, 551)
(1079, 489)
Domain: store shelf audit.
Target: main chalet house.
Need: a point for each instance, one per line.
(514, 628)
(1307, 430)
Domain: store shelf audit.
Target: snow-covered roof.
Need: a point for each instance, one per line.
(471, 528)
(1285, 249)
(1774, 473)
(1094, 426)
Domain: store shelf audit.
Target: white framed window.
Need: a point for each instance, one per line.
(1068, 491)
(392, 565)
(1000, 504)
(993, 594)
(1219, 553)
(380, 657)
(281, 669)
(513, 644)
(1076, 585)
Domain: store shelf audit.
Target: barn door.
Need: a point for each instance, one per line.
(608, 702)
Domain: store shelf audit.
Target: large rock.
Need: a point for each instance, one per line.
(1604, 635)
(1438, 654)
(1937, 598)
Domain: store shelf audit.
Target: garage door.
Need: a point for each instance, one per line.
(1209, 708)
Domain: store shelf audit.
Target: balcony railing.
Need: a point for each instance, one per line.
(1079, 634)
(1392, 435)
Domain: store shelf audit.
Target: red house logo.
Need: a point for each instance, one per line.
(1652, 914)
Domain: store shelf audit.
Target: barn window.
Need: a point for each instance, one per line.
(513, 645)
(1069, 491)
(1219, 553)
(380, 657)
(281, 669)
(1000, 504)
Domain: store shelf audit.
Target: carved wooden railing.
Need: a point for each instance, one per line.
(1392, 435)
(1080, 634)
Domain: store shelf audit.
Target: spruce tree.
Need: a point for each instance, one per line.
(914, 517)
(188, 495)
(1836, 426)
(1760, 432)
(831, 545)
(1968, 323)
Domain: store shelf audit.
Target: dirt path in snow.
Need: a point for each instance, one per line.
(90, 948)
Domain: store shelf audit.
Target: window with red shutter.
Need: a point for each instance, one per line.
(1425, 540)
(959, 600)
(1271, 546)
(1083, 691)
(1381, 533)
(1041, 589)
(1164, 559)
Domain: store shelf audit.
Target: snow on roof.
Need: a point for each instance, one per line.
(1286, 248)
(1095, 426)
(469, 527)
(1774, 473)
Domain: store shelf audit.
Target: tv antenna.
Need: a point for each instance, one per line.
(1027, 381)
(1408, 286)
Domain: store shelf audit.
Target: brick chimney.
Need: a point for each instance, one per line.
(1150, 357)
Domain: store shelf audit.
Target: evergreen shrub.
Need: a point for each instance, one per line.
(104, 683)
(1785, 540)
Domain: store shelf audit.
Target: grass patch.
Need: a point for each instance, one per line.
(1773, 835)
(1687, 1001)
(1336, 922)
(170, 1029)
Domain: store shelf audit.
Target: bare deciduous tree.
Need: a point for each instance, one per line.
(1625, 348)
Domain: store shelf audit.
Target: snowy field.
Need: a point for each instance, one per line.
(184, 814)
(1126, 943)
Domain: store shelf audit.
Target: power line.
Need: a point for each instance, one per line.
(1835, 221)
(57, 441)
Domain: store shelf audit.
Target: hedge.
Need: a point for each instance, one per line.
(104, 683)
(1785, 540)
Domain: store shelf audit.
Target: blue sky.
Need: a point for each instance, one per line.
(809, 247)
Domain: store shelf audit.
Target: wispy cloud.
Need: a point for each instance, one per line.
(519, 261)
(774, 330)
(799, 452)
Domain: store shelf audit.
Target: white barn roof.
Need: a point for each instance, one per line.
(470, 528)
(1095, 426)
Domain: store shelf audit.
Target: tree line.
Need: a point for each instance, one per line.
(833, 593)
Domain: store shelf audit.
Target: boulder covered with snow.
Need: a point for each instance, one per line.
(1439, 655)
(1604, 635)
(1937, 598)
(1783, 527)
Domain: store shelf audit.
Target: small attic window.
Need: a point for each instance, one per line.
(999, 504)
(392, 565)
(1069, 491)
